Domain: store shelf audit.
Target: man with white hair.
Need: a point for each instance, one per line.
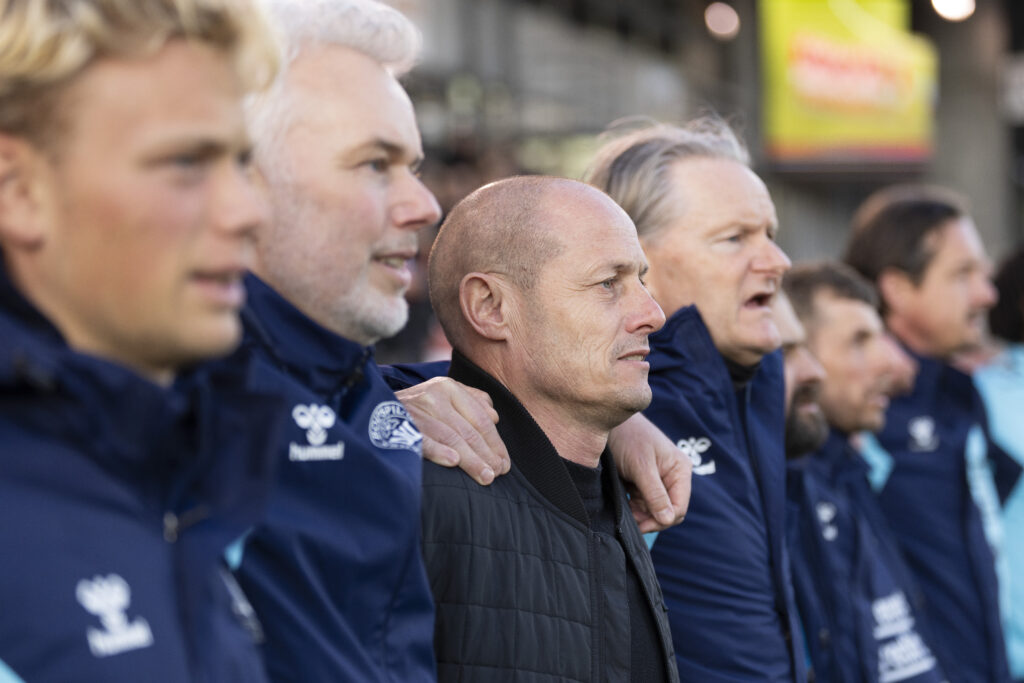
(335, 572)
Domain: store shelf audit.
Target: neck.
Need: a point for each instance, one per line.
(911, 338)
(574, 441)
(574, 437)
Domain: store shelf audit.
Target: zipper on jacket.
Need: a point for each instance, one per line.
(175, 524)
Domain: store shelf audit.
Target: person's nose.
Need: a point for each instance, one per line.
(414, 206)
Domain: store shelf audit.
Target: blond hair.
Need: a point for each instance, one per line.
(45, 44)
(633, 166)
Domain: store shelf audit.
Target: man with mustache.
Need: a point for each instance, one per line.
(539, 285)
(859, 606)
(806, 428)
(127, 218)
(920, 248)
(708, 226)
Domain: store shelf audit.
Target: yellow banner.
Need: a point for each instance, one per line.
(845, 82)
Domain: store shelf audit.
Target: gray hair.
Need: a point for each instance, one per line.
(633, 168)
(372, 28)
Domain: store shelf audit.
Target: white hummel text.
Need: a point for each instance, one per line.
(108, 598)
(316, 420)
(902, 654)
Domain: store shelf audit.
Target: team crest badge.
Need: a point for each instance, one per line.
(391, 427)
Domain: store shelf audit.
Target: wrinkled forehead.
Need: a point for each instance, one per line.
(710, 194)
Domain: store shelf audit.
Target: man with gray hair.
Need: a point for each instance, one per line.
(335, 572)
(543, 575)
(708, 227)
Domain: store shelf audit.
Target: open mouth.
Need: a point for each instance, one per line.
(635, 356)
(762, 300)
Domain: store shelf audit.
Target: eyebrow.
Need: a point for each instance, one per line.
(202, 147)
(393, 150)
(619, 268)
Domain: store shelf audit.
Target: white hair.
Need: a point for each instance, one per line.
(372, 28)
(380, 32)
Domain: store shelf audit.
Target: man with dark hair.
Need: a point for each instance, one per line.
(707, 224)
(1001, 385)
(923, 253)
(806, 428)
(128, 213)
(543, 575)
(858, 604)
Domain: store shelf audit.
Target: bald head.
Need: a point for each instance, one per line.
(539, 282)
(511, 228)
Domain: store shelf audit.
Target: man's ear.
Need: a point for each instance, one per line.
(895, 288)
(484, 300)
(24, 184)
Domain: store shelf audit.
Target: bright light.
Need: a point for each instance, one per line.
(722, 21)
(954, 10)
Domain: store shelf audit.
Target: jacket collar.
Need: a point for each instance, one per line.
(935, 382)
(317, 357)
(839, 456)
(35, 359)
(685, 339)
(531, 451)
(135, 428)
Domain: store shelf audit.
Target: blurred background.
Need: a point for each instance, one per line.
(835, 98)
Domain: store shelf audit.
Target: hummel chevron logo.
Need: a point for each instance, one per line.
(922, 434)
(693, 448)
(316, 420)
(108, 598)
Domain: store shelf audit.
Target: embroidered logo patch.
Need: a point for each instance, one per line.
(316, 420)
(694, 449)
(922, 434)
(108, 598)
(391, 427)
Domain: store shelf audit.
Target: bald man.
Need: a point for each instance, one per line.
(538, 284)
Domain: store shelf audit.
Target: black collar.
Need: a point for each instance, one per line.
(531, 451)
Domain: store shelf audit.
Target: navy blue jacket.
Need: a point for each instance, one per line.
(117, 499)
(724, 570)
(859, 607)
(925, 496)
(335, 571)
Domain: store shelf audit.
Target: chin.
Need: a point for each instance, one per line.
(214, 344)
(382, 319)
